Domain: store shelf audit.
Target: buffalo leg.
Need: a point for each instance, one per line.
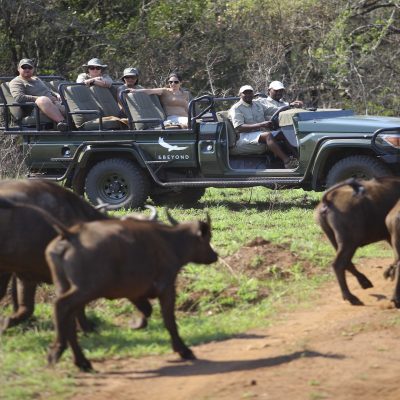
(4, 280)
(26, 303)
(85, 324)
(144, 307)
(167, 303)
(342, 262)
(64, 312)
(364, 282)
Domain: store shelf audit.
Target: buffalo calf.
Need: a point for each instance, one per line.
(129, 259)
(352, 214)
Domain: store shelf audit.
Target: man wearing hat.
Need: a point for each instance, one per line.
(28, 88)
(130, 77)
(275, 100)
(94, 74)
(251, 121)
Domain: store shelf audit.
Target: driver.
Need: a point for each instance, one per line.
(275, 100)
(250, 120)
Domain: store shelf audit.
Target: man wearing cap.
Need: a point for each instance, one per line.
(27, 88)
(275, 100)
(94, 74)
(130, 77)
(250, 120)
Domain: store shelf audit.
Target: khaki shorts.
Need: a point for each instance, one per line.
(248, 143)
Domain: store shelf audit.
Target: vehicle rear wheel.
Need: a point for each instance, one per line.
(117, 182)
(361, 167)
(185, 197)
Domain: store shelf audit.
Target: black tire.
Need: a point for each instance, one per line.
(185, 197)
(361, 167)
(117, 182)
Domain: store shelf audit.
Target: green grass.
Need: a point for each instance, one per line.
(214, 302)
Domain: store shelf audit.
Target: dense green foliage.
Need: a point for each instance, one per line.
(336, 53)
(214, 302)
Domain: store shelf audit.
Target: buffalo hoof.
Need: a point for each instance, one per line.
(139, 323)
(390, 273)
(84, 365)
(187, 354)
(396, 303)
(365, 283)
(355, 301)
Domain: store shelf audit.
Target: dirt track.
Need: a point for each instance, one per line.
(330, 350)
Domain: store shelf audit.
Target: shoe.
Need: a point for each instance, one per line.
(62, 126)
(292, 163)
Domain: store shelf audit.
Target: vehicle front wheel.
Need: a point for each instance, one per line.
(117, 182)
(360, 167)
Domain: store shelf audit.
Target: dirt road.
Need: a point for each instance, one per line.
(329, 350)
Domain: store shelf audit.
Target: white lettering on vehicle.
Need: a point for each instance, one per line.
(173, 157)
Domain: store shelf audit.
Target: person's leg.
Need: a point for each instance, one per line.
(273, 146)
(49, 108)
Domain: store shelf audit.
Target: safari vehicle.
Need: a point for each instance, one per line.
(124, 161)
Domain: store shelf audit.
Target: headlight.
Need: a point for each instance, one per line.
(392, 140)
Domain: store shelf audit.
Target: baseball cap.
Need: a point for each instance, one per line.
(130, 71)
(244, 88)
(26, 61)
(276, 85)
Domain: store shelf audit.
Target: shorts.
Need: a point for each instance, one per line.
(177, 119)
(248, 143)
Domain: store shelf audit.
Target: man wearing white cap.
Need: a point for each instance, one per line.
(275, 100)
(250, 120)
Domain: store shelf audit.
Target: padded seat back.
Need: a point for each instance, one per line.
(223, 116)
(21, 115)
(106, 101)
(142, 106)
(101, 100)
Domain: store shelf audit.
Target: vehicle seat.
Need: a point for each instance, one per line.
(231, 134)
(19, 116)
(142, 106)
(98, 100)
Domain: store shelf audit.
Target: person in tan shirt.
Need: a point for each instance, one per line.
(28, 88)
(174, 100)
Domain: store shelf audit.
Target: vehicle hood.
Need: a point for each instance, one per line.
(348, 124)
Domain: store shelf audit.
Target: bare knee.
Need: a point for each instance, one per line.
(43, 101)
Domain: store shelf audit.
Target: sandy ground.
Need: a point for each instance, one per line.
(329, 350)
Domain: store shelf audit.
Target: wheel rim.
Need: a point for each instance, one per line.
(114, 188)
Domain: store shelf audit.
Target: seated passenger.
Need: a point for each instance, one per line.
(274, 101)
(250, 120)
(27, 87)
(174, 100)
(130, 78)
(94, 74)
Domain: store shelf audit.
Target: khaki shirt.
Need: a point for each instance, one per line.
(271, 104)
(243, 113)
(25, 91)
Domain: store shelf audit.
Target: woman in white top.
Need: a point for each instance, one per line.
(174, 100)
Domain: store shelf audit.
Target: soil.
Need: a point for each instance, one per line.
(325, 349)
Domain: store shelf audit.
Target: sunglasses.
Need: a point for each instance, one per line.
(174, 82)
(26, 67)
(98, 68)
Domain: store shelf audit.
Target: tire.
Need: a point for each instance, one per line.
(117, 182)
(185, 197)
(361, 167)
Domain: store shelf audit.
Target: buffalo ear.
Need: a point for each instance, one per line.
(204, 229)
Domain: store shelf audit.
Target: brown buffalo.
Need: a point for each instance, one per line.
(352, 214)
(24, 236)
(129, 259)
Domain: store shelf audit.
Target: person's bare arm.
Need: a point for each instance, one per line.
(261, 126)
